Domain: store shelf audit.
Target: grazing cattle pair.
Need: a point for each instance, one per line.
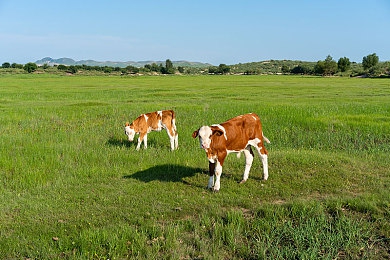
(233, 136)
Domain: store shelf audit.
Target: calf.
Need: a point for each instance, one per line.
(234, 136)
(154, 121)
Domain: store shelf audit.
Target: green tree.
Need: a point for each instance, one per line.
(370, 61)
(213, 70)
(330, 66)
(326, 67)
(169, 69)
(285, 69)
(107, 69)
(302, 69)
(387, 68)
(132, 69)
(153, 67)
(6, 65)
(72, 69)
(30, 67)
(17, 66)
(319, 68)
(223, 69)
(62, 67)
(343, 64)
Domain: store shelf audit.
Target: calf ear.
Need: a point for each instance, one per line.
(127, 124)
(217, 132)
(195, 133)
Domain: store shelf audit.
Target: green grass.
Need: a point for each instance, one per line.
(72, 187)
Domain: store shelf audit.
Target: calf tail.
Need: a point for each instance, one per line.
(173, 114)
(265, 139)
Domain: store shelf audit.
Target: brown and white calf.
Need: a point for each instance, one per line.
(154, 121)
(233, 136)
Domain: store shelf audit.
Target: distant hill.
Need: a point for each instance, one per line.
(139, 64)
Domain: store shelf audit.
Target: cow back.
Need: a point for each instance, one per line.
(241, 129)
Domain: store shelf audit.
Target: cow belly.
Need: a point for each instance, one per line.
(234, 151)
(150, 129)
(254, 142)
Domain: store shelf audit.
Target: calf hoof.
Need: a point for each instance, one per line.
(243, 181)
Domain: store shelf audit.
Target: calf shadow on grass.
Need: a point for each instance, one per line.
(166, 173)
(118, 142)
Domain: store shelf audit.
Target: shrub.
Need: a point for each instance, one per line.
(30, 67)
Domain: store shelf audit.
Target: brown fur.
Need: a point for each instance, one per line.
(155, 121)
(239, 130)
(141, 126)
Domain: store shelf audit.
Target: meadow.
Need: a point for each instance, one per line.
(73, 187)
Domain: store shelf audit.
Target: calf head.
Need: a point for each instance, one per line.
(129, 131)
(206, 134)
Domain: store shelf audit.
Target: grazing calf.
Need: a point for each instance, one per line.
(234, 136)
(154, 121)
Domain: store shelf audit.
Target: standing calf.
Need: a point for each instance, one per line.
(233, 136)
(154, 121)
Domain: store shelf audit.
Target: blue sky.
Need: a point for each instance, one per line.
(216, 32)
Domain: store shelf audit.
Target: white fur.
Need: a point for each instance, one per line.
(130, 133)
(204, 137)
(218, 173)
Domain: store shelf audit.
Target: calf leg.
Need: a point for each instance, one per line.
(175, 134)
(172, 141)
(218, 172)
(139, 143)
(248, 163)
(263, 153)
(173, 138)
(142, 137)
(176, 140)
(264, 160)
(146, 141)
(211, 173)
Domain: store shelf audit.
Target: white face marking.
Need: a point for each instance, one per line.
(130, 133)
(204, 134)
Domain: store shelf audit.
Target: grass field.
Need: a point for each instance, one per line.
(72, 187)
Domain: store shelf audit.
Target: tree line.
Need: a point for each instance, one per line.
(329, 67)
(370, 67)
(158, 68)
